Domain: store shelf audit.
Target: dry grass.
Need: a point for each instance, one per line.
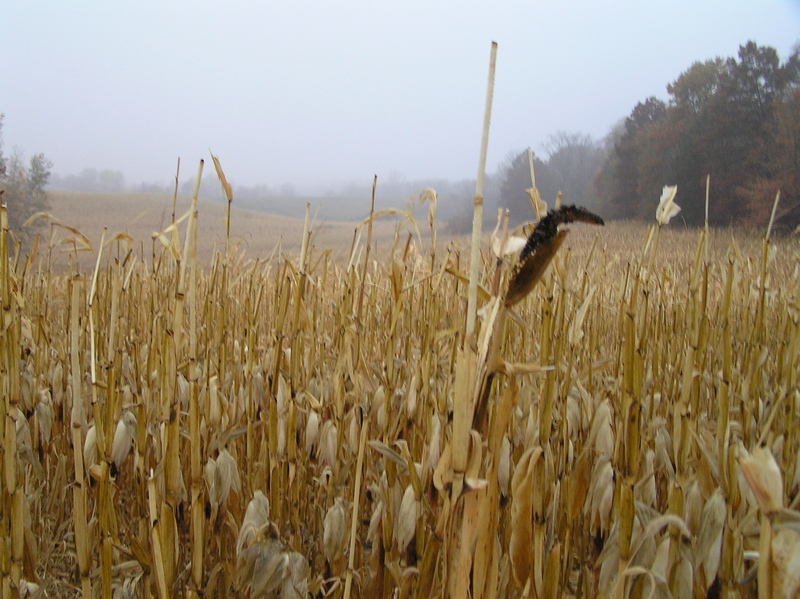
(291, 427)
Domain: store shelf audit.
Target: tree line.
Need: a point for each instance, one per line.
(570, 165)
(93, 180)
(736, 120)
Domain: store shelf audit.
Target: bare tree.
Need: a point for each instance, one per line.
(574, 159)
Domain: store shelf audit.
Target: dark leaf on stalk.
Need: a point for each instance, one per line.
(541, 247)
(547, 228)
(528, 272)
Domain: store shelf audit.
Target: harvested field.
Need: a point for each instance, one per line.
(312, 423)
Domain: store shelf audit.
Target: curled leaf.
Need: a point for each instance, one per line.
(334, 538)
(764, 477)
(407, 519)
(667, 208)
(124, 435)
(256, 520)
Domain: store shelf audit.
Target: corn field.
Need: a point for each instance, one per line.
(622, 421)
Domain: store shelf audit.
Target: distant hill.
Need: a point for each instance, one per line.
(142, 214)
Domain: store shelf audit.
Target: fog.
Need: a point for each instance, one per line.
(317, 97)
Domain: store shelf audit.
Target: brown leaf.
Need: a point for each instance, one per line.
(225, 185)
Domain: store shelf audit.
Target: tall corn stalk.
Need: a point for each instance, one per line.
(170, 409)
(103, 405)
(462, 518)
(13, 494)
(77, 422)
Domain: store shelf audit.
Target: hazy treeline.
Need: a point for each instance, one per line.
(737, 120)
(570, 167)
(93, 180)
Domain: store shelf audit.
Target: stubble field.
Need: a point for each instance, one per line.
(318, 423)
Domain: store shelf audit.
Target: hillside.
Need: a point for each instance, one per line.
(142, 214)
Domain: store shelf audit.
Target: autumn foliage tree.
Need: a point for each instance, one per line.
(624, 175)
(737, 120)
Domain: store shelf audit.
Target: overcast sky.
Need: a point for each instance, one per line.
(316, 93)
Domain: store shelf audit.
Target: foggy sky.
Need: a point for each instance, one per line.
(318, 93)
